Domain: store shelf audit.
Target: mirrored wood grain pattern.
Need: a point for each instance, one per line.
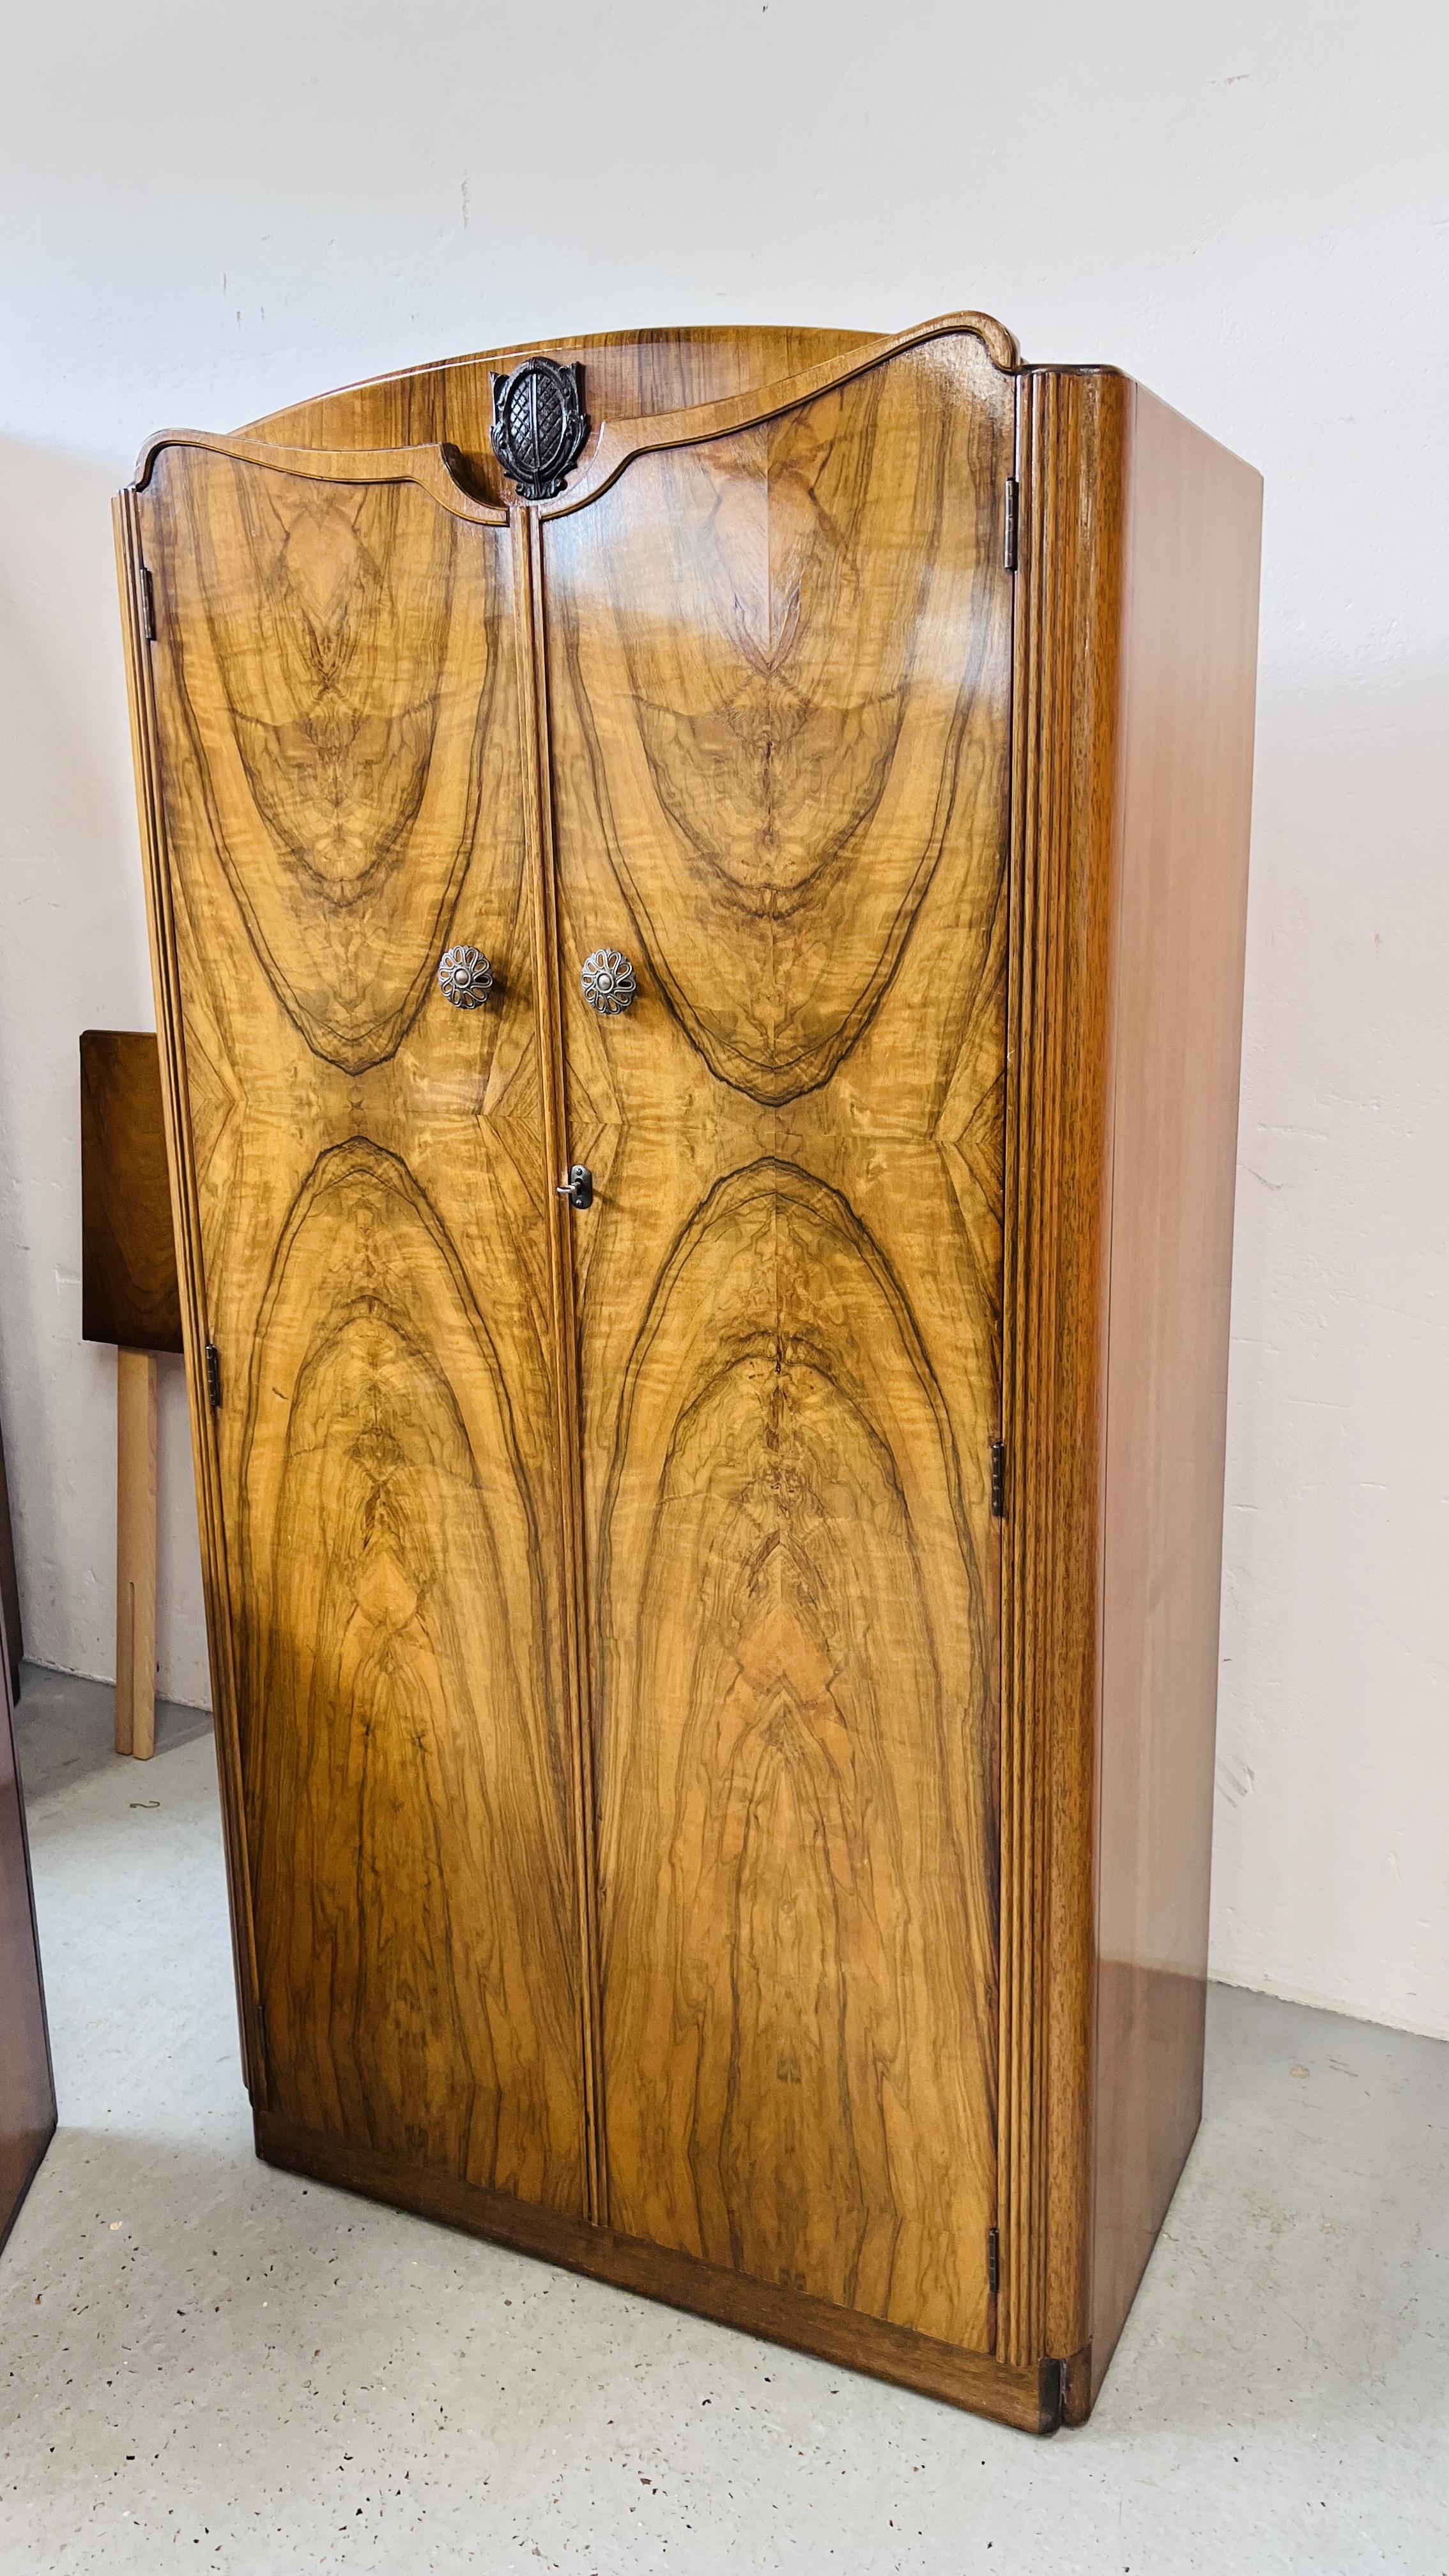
(341, 677)
(338, 753)
(409, 1816)
(687, 1832)
(790, 616)
(796, 1668)
(780, 787)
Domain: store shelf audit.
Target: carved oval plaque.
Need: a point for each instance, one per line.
(539, 425)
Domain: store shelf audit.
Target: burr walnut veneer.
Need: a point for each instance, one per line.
(711, 1509)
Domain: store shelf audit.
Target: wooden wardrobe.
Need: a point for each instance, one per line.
(697, 892)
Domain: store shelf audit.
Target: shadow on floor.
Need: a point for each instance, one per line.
(65, 1729)
(1299, 2284)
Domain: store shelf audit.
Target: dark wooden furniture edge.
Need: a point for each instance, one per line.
(130, 1293)
(15, 2186)
(9, 1583)
(1029, 2399)
(36, 2161)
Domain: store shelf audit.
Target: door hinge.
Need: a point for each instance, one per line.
(213, 1376)
(993, 2260)
(998, 1480)
(1012, 540)
(148, 603)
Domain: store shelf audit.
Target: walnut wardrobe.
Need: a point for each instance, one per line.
(697, 893)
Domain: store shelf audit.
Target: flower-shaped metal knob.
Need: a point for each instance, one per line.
(608, 982)
(465, 978)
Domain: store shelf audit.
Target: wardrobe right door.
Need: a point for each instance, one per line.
(778, 702)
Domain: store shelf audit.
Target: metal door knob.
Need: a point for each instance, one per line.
(465, 978)
(578, 1189)
(608, 983)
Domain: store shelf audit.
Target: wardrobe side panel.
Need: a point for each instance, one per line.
(1185, 785)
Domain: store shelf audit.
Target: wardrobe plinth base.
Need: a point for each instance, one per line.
(1031, 2400)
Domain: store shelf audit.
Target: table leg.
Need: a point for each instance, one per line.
(136, 1553)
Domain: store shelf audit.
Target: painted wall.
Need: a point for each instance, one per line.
(211, 211)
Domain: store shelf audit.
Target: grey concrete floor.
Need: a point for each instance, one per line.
(200, 2354)
(65, 1728)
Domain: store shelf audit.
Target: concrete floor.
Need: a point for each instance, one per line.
(204, 2355)
(65, 1729)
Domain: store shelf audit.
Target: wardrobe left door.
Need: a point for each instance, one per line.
(334, 742)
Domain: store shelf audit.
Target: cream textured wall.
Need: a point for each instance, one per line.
(210, 211)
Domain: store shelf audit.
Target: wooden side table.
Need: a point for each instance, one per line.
(129, 1296)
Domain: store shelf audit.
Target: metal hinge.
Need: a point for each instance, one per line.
(993, 2261)
(998, 1480)
(213, 1376)
(148, 603)
(1012, 541)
